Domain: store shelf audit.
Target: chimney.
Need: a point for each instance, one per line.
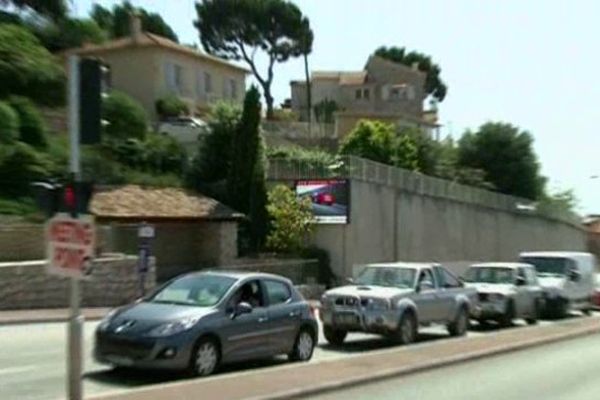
(415, 66)
(135, 26)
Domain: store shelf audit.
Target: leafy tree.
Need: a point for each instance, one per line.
(434, 85)
(246, 186)
(405, 153)
(505, 154)
(237, 29)
(306, 42)
(291, 220)
(116, 22)
(126, 117)
(212, 161)
(20, 165)
(55, 9)
(373, 140)
(68, 33)
(32, 128)
(171, 106)
(28, 69)
(9, 124)
(563, 201)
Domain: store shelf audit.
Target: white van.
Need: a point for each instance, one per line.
(567, 278)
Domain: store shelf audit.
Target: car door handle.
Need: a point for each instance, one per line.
(262, 319)
(294, 314)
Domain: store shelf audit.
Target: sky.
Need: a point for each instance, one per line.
(531, 63)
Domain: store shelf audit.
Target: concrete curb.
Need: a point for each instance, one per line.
(443, 362)
(24, 317)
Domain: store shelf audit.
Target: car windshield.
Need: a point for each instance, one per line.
(194, 290)
(548, 266)
(490, 275)
(387, 276)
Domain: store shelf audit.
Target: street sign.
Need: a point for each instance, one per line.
(146, 231)
(70, 245)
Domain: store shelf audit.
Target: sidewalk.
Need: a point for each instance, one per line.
(304, 380)
(13, 317)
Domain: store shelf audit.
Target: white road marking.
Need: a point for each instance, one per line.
(16, 370)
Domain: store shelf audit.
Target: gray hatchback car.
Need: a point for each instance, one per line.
(201, 320)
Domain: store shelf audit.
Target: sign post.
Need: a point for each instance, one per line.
(145, 235)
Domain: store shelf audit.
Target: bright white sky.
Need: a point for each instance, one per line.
(531, 63)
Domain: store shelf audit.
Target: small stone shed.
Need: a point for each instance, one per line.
(192, 231)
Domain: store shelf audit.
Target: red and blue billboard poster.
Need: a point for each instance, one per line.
(330, 199)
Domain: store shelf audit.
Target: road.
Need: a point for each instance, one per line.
(32, 361)
(562, 371)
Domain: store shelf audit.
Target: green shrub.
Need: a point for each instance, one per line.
(20, 165)
(291, 220)
(171, 106)
(126, 117)
(32, 128)
(285, 115)
(9, 124)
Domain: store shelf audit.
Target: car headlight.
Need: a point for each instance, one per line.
(171, 328)
(105, 322)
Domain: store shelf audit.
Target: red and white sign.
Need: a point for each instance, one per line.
(70, 245)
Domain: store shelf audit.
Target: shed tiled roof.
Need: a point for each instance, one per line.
(132, 202)
(147, 39)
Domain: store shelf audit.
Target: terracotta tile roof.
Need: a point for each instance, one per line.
(326, 75)
(136, 202)
(353, 78)
(146, 39)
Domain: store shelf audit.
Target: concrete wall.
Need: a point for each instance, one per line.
(27, 285)
(21, 242)
(399, 215)
(180, 247)
(299, 271)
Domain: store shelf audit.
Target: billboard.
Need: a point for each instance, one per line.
(330, 199)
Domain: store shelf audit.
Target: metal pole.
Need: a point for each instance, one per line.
(75, 360)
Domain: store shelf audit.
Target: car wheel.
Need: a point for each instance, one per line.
(205, 358)
(334, 336)
(532, 320)
(460, 325)
(407, 329)
(506, 320)
(303, 347)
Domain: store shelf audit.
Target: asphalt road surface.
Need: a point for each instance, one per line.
(32, 361)
(562, 371)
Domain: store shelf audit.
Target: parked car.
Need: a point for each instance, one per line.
(184, 129)
(596, 296)
(567, 278)
(506, 291)
(394, 299)
(201, 320)
(324, 198)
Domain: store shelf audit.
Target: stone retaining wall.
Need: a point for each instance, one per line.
(114, 281)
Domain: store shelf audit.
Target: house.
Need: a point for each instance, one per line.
(148, 67)
(384, 90)
(192, 231)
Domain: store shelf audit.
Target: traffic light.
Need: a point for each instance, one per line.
(93, 83)
(68, 197)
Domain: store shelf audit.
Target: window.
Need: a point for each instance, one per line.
(277, 292)
(362, 94)
(250, 293)
(207, 83)
(531, 276)
(174, 77)
(446, 279)
(194, 290)
(366, 94)
(233, 89)
(199, 85)
(426, 281)
(490, 275)
(358, 94)
(403, 278)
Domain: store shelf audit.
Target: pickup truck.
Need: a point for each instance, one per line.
(395, 299)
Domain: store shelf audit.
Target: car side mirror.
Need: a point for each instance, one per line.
(240, 309)
(350, 281)
(574, 275)
(520, 281)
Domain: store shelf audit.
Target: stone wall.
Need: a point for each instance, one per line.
(400, 215)
(20, 242)
(180, 247)
(114, 281)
